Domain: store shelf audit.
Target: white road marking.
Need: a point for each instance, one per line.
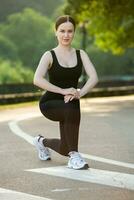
(14, 195)
(109, 161)
(61, 190)
(94, 175)
(17, 131)
(104, 177)
(109, 178)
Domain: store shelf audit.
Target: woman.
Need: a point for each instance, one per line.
(61, 101)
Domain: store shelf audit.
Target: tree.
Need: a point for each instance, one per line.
(31, 33)
(9, 7)
(112, 66)
(109, 22)
(7, 48)
(14, 72)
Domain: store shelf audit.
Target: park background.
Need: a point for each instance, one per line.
(105, 29)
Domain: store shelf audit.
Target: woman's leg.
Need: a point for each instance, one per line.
(71, 127)
(68, 116)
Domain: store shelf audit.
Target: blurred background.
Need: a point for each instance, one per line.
(105, 29)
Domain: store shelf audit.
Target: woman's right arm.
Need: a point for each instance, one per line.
(39, 77)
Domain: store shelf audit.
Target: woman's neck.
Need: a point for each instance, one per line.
(64, 48)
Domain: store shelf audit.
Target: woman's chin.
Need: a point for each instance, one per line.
(66, 43)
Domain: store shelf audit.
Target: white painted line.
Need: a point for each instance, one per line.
(109, 178)
(61, 190)
(17, 131)
(14, 195)
(109, 161)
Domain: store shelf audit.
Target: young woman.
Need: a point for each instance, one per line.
(61, 101)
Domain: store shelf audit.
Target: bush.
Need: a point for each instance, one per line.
(14, 72)
(31, 33)
(107, 64)
(7, 48)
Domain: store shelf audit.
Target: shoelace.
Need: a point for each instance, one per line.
(77, 157)
(44, 150)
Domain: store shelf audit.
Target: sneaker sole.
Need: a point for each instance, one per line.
(86, 166)
(47, 159)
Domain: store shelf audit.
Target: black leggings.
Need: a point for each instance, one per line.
(68, 115)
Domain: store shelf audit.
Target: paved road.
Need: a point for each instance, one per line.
(106, 141)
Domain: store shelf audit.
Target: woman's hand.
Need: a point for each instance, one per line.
(70, 97)
(70, 91)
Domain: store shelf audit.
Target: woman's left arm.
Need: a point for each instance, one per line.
(91, 82)
(90, 71)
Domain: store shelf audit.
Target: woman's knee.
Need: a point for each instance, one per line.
(50, 112)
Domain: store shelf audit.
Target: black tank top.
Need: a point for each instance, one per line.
(63, 77)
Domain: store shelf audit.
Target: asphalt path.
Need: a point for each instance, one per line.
(106, 141)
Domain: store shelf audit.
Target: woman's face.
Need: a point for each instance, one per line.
(65, 33)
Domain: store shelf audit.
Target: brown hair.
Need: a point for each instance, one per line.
(64, 18)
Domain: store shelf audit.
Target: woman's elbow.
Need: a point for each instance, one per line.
(35, 81)
(95, 80)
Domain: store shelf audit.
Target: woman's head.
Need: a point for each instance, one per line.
(65, 28)
(63, 19)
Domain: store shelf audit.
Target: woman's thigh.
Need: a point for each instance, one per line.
(57, 110)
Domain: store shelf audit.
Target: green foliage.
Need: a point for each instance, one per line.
(26, 35)
(14, 72)
(77, 40)
(45, 7)
(7, 48)
(110, 22)
(107, 64)
(60, 10)
(31, 33)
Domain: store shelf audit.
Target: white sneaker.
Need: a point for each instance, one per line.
(43, 152)
(76, 161)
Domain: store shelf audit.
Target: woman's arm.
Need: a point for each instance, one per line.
(91, 82)
(39, 77)
(90, 71)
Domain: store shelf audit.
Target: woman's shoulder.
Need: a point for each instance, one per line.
(47, 58)
(47, 55)
(82, 52)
